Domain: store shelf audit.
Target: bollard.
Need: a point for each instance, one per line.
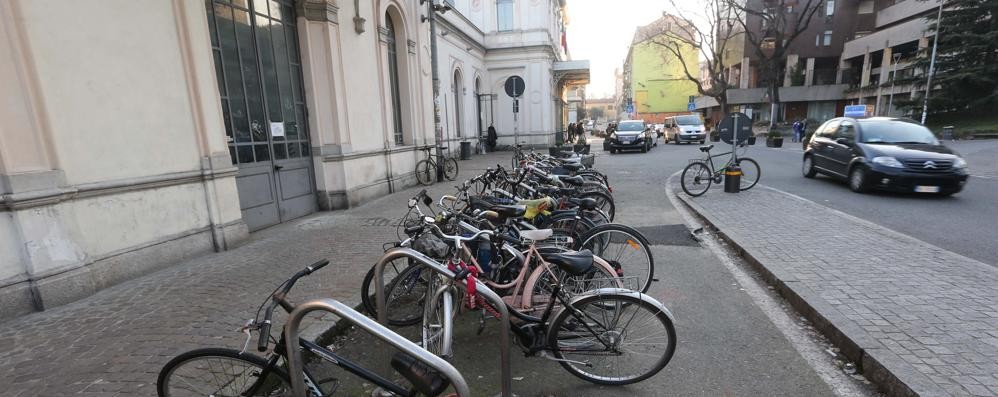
(732, 179)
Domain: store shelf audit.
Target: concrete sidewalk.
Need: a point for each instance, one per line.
(917, 319)
(116, 341)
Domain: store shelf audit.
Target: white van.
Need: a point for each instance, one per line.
(688, 128)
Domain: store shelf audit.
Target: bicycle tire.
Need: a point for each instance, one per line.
(438, 322)
(700, 175)
(392, 273)
(567, 328)
(753, 176)
(604, 201)
(629, 255)
(450, 169)
(425, 172)
(276, 384)
(561, 225)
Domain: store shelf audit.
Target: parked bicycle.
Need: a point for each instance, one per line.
(699, 174)
(426, 170)
(229, 372)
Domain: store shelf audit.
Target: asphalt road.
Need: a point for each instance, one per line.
(964, 223)
(727, 344)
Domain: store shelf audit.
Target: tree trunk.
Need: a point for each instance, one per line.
(774, 100)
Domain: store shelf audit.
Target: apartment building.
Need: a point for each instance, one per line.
(654, 83)
(135, 134)
(848, 55)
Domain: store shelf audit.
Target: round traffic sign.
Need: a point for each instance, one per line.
(515, 86)
(727, 127)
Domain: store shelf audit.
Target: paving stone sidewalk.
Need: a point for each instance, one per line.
(916, 318)
(115, 342)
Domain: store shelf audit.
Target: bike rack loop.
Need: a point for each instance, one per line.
(505, 374)
(296, 367)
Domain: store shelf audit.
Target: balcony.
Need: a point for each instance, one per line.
(890, 37)
(904, 9)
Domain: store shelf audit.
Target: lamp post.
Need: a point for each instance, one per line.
(431, 15)
(894, 76)
(932, 63)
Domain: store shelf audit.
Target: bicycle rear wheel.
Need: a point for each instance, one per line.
(450, 169)
(604, 201)
(625, 248)
(750, 172)
(612, 339)
(221, 372)
(425, 172)
(404, 292)
(696, 178)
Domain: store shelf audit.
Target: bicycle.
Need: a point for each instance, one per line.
(700, 173)
(426, 170)
(230, 372)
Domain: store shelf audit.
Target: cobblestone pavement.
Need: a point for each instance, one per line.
(115, 341)
(918, 318)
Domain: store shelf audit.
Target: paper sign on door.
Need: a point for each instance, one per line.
(277, 129)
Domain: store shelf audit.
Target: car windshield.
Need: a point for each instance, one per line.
(631, 126)
(688, 120)
(896, 132)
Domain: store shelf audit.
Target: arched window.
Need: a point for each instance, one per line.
(393, 80)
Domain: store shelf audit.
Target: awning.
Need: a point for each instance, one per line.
(571, 72)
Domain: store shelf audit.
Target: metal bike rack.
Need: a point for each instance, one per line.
(296, 367)
(505, 375)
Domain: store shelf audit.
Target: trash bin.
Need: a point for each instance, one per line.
(465, 150)
(948, 132)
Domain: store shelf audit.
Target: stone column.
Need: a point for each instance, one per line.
(792, 63)
(843, 66)
(809, 72)
(743, 80)
(864, 79)
(885, 70)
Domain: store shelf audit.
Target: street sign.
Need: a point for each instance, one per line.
(516, 106)
(629, 109)
(855, 111)
(691, 107)
(727, 127)
(515, 86)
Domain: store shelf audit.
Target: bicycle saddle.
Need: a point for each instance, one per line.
(574, 262)
(706, 148)
(536, 235)
(539, 206)
(573, 166)
(423, 378)
(572, 180)
(509, 211)
(584, 203)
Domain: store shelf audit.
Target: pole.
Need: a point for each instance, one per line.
(932, 63)
(734, 139)
(516, 123)
(894, 76)
(431, 15)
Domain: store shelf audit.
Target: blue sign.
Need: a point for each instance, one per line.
(629, 109)
(691, 107)
(855, 111)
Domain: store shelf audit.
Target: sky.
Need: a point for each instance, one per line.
(601, 30)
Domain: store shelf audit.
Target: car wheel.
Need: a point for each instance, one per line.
(702, 142)
(644, 149)
(857, 179)
(613, 151)
(807, 168)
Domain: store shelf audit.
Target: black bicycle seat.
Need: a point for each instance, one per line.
(706, 148)
(574, 262)
(573, 166)
(509, 211)
(572, 180)
(423, 378)
(585, 203)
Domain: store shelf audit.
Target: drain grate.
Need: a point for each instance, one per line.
(668, 235)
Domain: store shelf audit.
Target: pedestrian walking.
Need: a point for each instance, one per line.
(491, 138)
(570, 132)
(798, 130)
(580, 133)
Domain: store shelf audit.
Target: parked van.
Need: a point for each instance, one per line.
(687, 128)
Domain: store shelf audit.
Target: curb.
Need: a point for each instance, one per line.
(889, 372)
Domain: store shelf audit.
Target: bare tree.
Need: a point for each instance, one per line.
(712, 38)
(782, 22)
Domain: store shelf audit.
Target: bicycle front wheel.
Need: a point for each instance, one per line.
(221, 372)
(696, 178)
(450, 169)
(612, 339)
(750, 172)
(404, 290)
(425, 172)
(438, 318)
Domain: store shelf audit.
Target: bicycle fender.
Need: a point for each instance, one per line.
(624, 291)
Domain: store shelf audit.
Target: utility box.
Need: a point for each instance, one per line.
(465, 150)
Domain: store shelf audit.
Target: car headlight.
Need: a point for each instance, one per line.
(888, 161)
(960, 163)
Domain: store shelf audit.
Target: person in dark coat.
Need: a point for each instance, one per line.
(570, 132)
(492, 138)
(580, 133)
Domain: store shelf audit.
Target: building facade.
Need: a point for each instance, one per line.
(847, 56)
(655, 82)
(129, 143)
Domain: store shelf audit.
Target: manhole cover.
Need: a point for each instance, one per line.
(668, 235)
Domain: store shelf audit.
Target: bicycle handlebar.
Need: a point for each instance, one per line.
(278, 299)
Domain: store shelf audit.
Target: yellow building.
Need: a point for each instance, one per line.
(655, 80)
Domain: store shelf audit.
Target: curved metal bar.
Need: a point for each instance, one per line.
(296, 367)
(505, 374)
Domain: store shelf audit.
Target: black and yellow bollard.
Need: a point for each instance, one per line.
(732, 179)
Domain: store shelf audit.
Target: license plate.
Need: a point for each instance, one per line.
(927, 189)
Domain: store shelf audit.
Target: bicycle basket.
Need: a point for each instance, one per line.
(430, 245)
(579, 285)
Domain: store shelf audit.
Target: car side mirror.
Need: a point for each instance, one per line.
(844, 141)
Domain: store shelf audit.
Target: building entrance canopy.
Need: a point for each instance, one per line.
(568, 73)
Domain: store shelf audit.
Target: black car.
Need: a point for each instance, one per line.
(630, 135)
(884, 153)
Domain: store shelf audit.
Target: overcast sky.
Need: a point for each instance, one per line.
(601, 30)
